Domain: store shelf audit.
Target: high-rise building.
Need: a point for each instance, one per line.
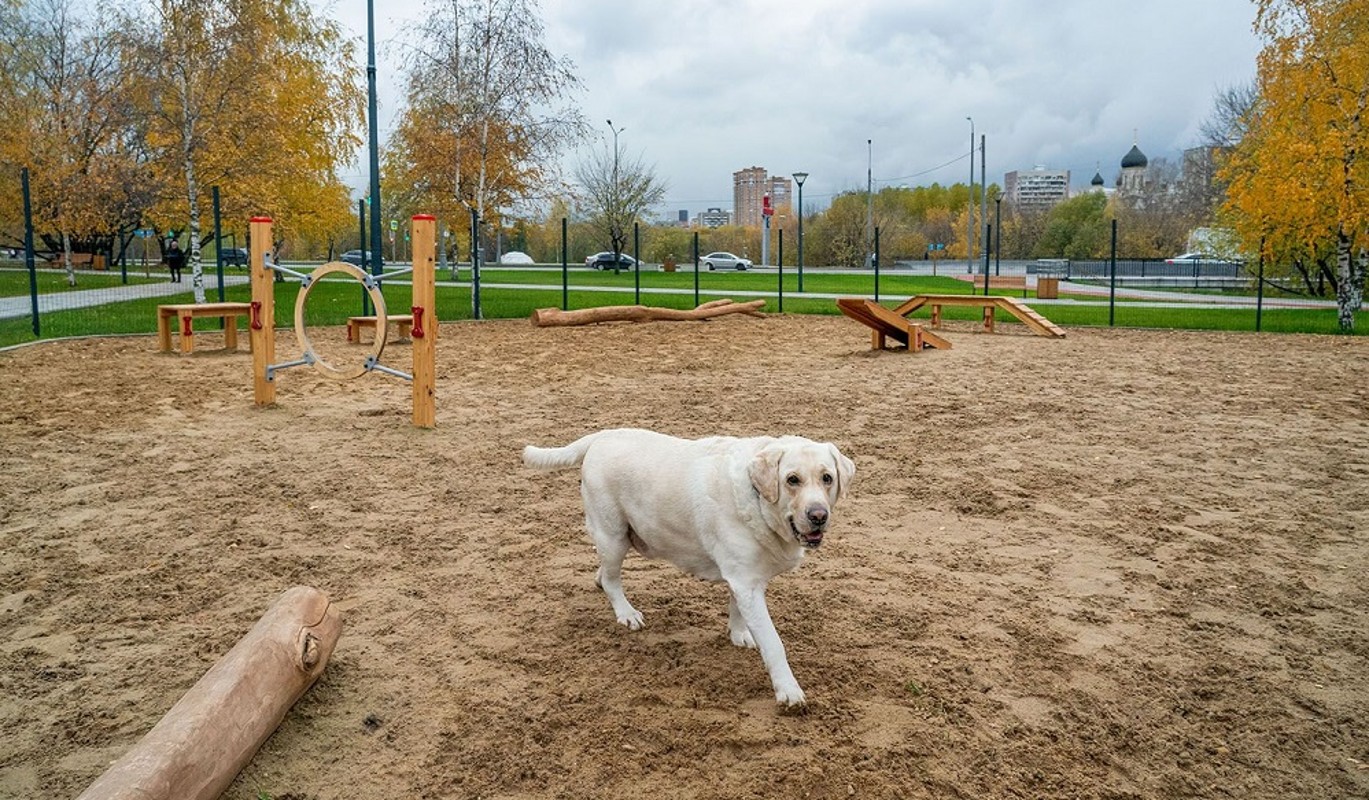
(1036, 188)
(749, 187)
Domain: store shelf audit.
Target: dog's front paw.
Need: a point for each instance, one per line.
(742, 638)
(632, 619)
(791, 700)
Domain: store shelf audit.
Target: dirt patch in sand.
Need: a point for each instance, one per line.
(1121, 565)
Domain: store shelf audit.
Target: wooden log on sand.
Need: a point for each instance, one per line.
(548, 317)
(199, 747)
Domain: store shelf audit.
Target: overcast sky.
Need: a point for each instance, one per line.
(703, 88)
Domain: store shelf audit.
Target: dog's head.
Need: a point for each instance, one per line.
(801, 480)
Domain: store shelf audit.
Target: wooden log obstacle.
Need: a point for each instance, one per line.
(185, 313)
(210, 734)
(422, 319)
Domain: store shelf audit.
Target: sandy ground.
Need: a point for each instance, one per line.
(1120, 565)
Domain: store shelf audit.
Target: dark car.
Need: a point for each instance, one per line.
(233, 256)
(356, 257)
(605, 261)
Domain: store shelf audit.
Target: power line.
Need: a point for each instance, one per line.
(925, 171)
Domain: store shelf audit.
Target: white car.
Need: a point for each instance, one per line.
(722, 260)
(515, 257)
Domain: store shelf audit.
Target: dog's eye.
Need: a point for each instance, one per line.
(826, 480)
(793, 480)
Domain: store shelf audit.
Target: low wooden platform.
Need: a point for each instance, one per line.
(185, 312)
(355, 324)
(885, 324)
(1034, 321)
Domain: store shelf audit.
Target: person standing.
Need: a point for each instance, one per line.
(175, 260)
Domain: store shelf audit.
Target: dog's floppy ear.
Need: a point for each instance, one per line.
(764, 471)
(846, 471)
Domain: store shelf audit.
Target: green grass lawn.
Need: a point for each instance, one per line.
(334, 299)
(15, 282)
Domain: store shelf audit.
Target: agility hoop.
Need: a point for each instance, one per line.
(302, 336)
(423, 330)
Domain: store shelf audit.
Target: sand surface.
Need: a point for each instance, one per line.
(1121, 565)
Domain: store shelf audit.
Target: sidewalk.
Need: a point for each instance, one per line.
(22, 306)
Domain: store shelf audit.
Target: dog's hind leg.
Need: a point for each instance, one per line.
(612, 540)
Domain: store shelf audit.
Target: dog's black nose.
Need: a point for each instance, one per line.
(817, 516)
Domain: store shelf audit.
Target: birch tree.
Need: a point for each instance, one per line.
(1299, 180)
(488, 109)
(261, 96)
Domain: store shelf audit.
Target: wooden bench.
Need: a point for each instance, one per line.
(1037, 323)
(355, 324)
(185, 312)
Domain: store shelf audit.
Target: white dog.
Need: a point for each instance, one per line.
(721, 508)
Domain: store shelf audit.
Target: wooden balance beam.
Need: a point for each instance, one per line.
(1034, 321)
(885, 324)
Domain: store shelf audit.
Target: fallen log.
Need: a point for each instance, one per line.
(548, 317)
(205, 740)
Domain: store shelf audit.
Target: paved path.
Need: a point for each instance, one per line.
(22, 306)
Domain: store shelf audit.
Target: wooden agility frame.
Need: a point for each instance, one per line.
(423, 331)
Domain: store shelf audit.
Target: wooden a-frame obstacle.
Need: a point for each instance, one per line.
(423, 331)
(885, 324)
(894, 324)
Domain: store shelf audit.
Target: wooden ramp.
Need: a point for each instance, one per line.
(1037, 323)
(885, 324)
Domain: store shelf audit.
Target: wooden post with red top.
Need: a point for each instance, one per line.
(424, 330)
(262, 325)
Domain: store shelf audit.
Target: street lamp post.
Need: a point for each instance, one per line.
(869, 201)
(799, 178)
(614, 199)
(969, 210)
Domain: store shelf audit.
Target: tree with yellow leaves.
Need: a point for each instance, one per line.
(261, 97)
(1299, 180)
(488, 109)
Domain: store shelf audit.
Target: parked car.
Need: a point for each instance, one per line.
(605, 261)
(356, 257)
(515, 257)
(233, 256)
(723, 260)
(1198, 258)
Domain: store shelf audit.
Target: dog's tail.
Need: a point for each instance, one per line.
(549, 458)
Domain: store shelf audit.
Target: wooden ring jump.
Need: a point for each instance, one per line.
(377, 299)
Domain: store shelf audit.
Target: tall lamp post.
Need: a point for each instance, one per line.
(615, 195)
(969, 209)
(799, 178)
(869, 202)
(373, 129)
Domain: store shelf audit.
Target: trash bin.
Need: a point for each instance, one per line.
(1047, 288)
(97, 261)
(668, 265)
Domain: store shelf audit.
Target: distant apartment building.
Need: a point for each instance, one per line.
(1036, 188)
(713, 218)
(749, 187)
